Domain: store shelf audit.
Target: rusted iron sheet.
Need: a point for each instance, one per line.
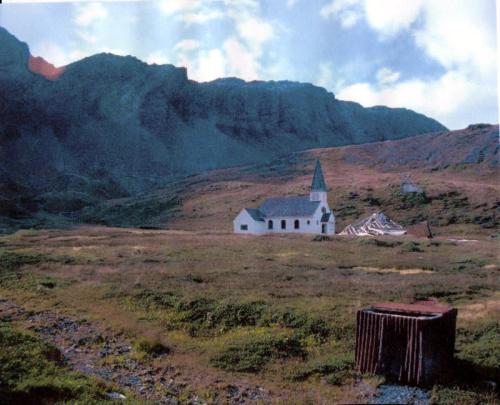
(404, 342)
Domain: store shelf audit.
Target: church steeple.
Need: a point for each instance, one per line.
(318, 185)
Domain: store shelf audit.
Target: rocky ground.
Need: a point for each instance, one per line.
(84, 346)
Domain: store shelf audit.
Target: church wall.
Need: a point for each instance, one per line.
(244, 219)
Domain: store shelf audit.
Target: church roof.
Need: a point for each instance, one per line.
(255, 214)
(288, 207)
(318, 182)
(325, 217)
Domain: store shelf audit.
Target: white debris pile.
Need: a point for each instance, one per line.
(376, 224)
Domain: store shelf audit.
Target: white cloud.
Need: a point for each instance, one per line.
(448, 31)
(386, 75)
(240, 61)
(385, 16)
(170, 7)
(191, 11)
(348, 12)
(187, 45)
(157, 57)
(452, 98)
(325, 77)
(89, 13)
(291, 3)
(210, 65)
(391, 16)
(51, 52)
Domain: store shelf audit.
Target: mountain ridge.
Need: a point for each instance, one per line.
(113, 126)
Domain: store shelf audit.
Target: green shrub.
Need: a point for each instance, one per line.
(31, 373)
(338, 369)
(479, 344)
(411, 247)
(150, 346)
(441, 395)
(10, 260)
(380, 242)
(253, 355)
(303, 325)
(150, 299)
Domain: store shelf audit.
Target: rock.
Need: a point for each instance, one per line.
(116, 395)
(376, 224)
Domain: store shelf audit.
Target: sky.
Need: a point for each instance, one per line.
(437, 57)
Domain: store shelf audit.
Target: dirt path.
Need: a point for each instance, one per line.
(85, 347)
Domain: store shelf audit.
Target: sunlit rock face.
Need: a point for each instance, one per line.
(42, 67)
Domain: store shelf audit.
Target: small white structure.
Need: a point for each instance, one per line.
(376, 224)
(301, 214)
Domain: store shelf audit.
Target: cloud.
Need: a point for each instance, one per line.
(387, 75)
(240, 60)
(89, 13)
(51, 52)
(348, 12)
(157, 57)
(291, 3)
(385, 16)
(191, 11)
(187, 45)
(448, 32)
(325, 77)
(240, 53)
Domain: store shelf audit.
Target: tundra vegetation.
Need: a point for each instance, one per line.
(276, 311)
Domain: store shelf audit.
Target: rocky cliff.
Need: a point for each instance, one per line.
(109, 126)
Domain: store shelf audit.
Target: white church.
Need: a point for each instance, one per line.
(300, 214)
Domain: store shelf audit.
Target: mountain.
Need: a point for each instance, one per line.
(109, 126)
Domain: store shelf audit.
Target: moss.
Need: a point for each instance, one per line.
(252, 355)
(10, 260)
(337, 369)
(442, 395)
(31, 373)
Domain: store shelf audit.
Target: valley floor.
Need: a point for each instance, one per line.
(217, 318)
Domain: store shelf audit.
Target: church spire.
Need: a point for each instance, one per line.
(318, 182)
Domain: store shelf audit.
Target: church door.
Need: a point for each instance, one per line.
(323, 228)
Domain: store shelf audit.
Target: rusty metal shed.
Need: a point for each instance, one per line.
(408, 343)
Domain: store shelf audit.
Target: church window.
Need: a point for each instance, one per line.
(244, 227)
(308, 222)
(270, 224)
(296, 224)
(283, 224)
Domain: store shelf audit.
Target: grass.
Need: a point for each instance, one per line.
(251, 355)
(31, 372)
(279, 309)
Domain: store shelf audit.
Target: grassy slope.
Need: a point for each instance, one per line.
(212, 295)
(301, 297)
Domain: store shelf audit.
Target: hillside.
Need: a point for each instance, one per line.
(109, 126)
(457, 170)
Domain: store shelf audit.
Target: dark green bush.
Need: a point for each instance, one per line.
(13, 260)
(31, 373)
(150, 346)
(253, 355)
(338, 369)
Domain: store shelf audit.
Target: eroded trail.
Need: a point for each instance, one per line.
(90, 349)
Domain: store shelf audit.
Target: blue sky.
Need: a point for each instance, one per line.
(438, 57)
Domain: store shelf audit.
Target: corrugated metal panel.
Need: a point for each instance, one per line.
(410, 347)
